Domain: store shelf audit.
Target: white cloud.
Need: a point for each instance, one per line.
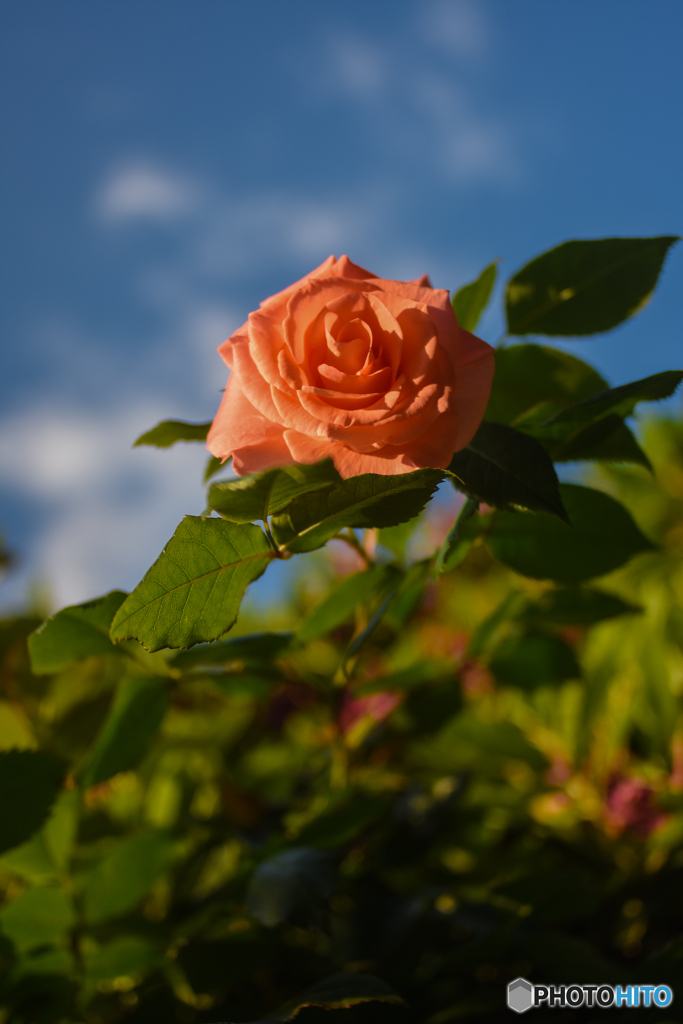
(144, 192)
(108, 508)
(457, 26)
(355, 66)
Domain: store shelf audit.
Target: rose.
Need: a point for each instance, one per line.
(374, 374)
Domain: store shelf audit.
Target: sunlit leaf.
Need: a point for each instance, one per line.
(362, 501)
(29, 783)
(265, 494)
(585, 286)
(193, 591)
(133, 720)
(500, 467)
(470, 301)
(602, 537)
(77, 632)
(297, 880)
(168, 432)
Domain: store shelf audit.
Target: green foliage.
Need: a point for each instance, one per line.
(362, 501)
(134, 718)
(193, 591)
(472, 299)
(507, 469)
(448, 764)
(531, 376)
(77, 632)
(265, 494)
(169, 432)
(29, 783)
(602, 536)
(584, 287)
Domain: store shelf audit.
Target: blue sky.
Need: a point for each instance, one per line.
(168, 163)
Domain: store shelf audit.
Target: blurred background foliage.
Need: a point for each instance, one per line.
(312, 813)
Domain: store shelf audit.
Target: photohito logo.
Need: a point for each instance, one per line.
(523, 996)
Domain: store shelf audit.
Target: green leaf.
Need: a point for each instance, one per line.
(341, 824)
(168, 432)
(424, 672)
(500, 467)
(134, 718)
(74, 633)
(574, 429)
(213, 466)
(296, 880)
(602, 537)
(264, 494)
(29, 783)
(37, 917)
(255, 646)
(606, 440)
(577, 606)
(126, 956)
(340, 991)
(531, 375)
(362, 501)
(467, 741)
(585, 286)
(533, 660)
(360, 588)
(123, 877)
(193, 591)
(472, 299)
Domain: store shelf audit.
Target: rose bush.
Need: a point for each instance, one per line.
(374, 374)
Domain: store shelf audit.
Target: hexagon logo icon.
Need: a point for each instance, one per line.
(520, 995)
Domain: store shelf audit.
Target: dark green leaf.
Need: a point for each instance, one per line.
(77, 632)
(585, 286)
(602, 537)
(467, 741)
(341, 824)
(125, 874)
(255, 646)
(168, 432)
(296, 880)
(213, 466)
(29, 783)
(407, 679)
(360, 588)
(263, 495)
(472, 299)
(500, 467)
(533, 660)
(37, 917)
(531, 375)
(577, 606)
(362, 501)
(484, 636)
(457, 544)
(193, 591)
(133, 720)
(339, 992)
(574, 429)
(606, 440)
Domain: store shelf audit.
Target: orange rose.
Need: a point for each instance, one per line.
(374, 374)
